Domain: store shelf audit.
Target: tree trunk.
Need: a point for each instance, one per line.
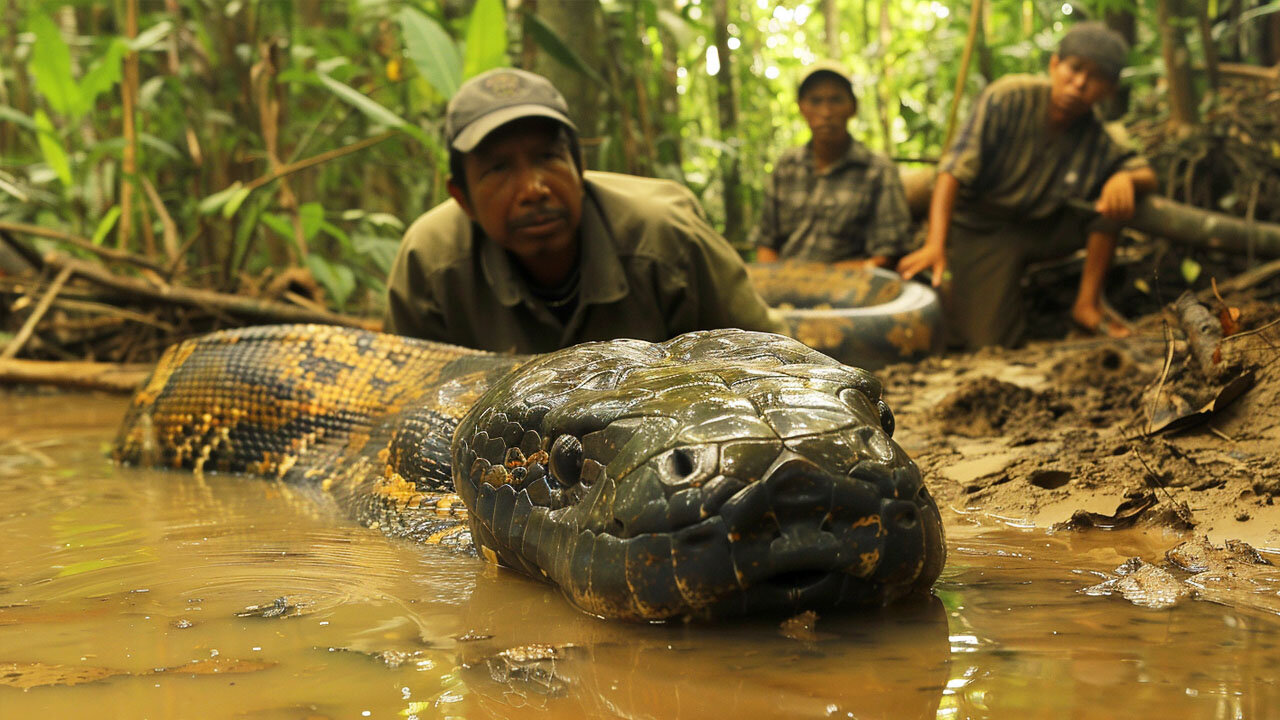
(727, 103)
(669, 151)
(1124, 22)
(1177, 65)
(1210, 49)
(1156, 215)
(831, 28)
(580, 24)
(884, 82)
(1273, 39)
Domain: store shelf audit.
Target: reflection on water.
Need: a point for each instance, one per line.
(119, 594)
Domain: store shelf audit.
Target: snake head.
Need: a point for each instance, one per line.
(720, 473)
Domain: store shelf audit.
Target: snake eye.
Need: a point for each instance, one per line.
(886, 417)
(566, 459)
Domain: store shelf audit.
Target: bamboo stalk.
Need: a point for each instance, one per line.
(975, 17)
(129, 100)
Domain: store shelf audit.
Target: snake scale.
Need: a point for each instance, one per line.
(720, 473)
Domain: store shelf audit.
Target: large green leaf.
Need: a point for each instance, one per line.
(103, 74)
(312, 217)
(51, 148)
(51, 66)
(382, 251)
(550, 41)
(432, 51)
(339, 280)
(372, 109)
(486, 38)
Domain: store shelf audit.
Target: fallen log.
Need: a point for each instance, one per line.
(1154, 215)
(1162, 217)
(260, 310)
(111, 377)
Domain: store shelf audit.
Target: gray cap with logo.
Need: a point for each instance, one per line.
(495, 98)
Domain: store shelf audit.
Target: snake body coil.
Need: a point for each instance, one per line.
(719, 473)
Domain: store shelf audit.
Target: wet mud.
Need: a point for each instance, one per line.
(1081, 435)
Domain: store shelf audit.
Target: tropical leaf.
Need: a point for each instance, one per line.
(103, 75)
(337, 279)
(551, 42)
(51, 66)
(216, 201)
(432, 51)
(382, 251)
(152, 35)
(486, 46)
(51, 148)
(365, 104)
(17, 117)
(312, 217)
(107, 222)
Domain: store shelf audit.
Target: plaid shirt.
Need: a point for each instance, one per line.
(855, 209)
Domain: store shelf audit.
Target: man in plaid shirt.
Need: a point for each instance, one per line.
(832, 200)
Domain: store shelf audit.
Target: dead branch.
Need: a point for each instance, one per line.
(261, 310)
(323, 157)
(105, 253)
(111, 377)
(14, 345)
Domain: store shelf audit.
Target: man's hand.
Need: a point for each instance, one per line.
(930, 257)
(1117, 199)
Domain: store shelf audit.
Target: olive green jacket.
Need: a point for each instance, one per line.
(652, 268)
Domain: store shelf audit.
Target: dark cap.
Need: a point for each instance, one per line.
(1099, 43)
(497, 97)
(826, 68)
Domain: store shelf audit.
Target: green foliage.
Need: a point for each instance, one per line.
(432, 51)
(486, 46)
(229, 93)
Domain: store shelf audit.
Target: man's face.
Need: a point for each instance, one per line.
(1076, 84)
(525, 191)
(827, 105)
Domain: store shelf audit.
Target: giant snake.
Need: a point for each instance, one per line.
(719, 473)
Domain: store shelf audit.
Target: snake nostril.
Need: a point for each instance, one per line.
(906, 518)
(681, 463)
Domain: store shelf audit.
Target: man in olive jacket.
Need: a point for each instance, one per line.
(533, 254)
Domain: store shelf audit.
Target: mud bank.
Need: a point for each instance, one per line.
(1084, 434)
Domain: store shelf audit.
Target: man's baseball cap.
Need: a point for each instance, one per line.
(497, 97)
(826, 68)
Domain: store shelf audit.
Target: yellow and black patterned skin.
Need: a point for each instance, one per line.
(720, 473)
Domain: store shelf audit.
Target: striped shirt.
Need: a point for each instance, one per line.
(854, 209)
(1010, 166)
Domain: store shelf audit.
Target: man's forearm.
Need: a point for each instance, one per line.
(1144, 180)
(940, 208)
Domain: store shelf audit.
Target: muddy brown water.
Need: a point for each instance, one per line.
(120, 588)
